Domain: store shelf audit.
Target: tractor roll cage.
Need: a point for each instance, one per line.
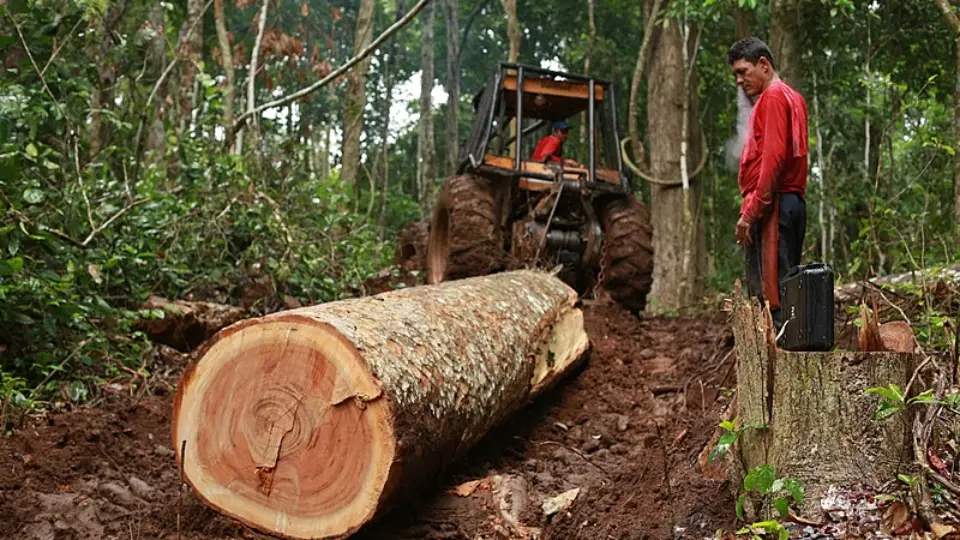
(488, 104)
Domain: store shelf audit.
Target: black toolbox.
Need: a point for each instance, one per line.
(806, 305)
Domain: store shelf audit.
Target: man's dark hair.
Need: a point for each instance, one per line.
(750, 49)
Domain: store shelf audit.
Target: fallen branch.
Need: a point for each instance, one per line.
(108, 222)
(241, 122)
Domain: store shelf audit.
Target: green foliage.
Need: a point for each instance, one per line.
(769, 490)
(893, 401)
(729, 437)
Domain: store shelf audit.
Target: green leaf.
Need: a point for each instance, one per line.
(739, 508)
(760, 479)
(32, 150)
(908, 480)
(11, 266)
(728, 425)
(794, 487)
(723, 445)
(784, 534)
(926, 397)
(782, 505)
(13, 246)
(32, 196)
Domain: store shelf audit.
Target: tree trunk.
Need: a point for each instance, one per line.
(743, 20)
(953, 21)
(956, 134)
(387, 102)
(252, 77)
(513, 41)
(356, 97)
(426, 148)
(190, 43)
(784, 37)
(226, 52)
(818, 415)
(157, 58)
(398, 386)
(102, 97)
(452, 12)
(591, 44)
(825, 245)
(672, 287)
(636, 144)
(513, 30)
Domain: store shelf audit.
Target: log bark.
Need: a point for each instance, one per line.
(819, 418)
(186, 325)
(311, 422)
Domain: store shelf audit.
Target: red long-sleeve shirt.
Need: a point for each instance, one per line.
(774, 158)
(551, 146)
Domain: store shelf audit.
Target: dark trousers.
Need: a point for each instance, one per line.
(793, 227)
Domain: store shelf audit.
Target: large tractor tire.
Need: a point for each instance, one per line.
(465, 238)
(627, 256)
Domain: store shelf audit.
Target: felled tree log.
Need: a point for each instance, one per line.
(817, 412)
(185, 325)
(309, 423)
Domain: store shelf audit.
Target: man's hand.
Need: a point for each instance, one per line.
(743, 232)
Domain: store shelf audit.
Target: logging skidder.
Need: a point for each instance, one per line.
(309, 423)
(512, 204)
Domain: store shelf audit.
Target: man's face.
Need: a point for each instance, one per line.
(562, 134)
(752, 77)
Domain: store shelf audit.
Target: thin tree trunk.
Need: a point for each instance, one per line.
(784, 37)
(675, 284)
(190, 44)
(632, 118)
(513, 29)
(513, 40)
(355, 99)
(821, 177)
(743, 20)
(950, 16)
(591, 44)
(452, 13)
(867, 126)
(387, 103)
(427, 153)
(226, 52)
(102, 97)
(156, 136)
(252, 73)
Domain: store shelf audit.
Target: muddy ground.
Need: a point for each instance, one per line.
(626, 429)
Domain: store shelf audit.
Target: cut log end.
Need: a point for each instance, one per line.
(284, 429)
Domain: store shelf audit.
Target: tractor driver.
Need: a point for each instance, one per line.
(550, 147)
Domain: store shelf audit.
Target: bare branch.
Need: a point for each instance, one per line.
(108, 222)
(242, 120)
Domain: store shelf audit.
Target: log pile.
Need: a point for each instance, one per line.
(310, 423)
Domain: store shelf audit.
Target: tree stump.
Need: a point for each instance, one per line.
(309, 423)
(819, 418)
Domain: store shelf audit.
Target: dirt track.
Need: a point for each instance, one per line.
(109, 471)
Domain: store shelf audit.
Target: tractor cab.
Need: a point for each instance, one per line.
(529, 100)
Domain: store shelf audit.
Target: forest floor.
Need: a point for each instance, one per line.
(625, 430)
(621, 429)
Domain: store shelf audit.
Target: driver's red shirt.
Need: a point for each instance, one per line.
(548, 146)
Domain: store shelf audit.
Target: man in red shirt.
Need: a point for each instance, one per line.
(550, 147)
(773, 171)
